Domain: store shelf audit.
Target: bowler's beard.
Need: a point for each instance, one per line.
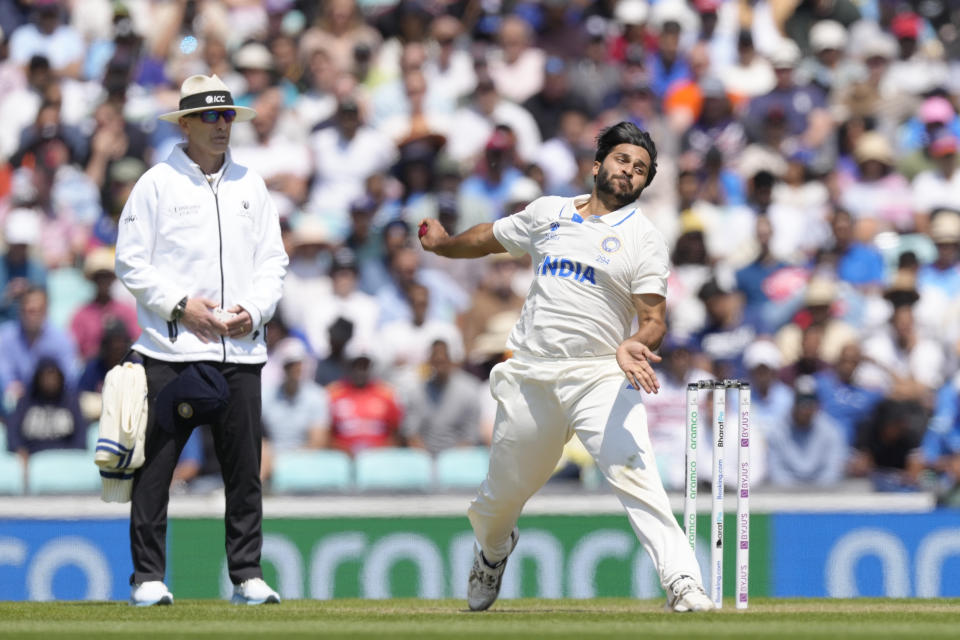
(611, 194)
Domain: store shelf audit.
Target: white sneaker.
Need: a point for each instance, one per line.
(483, 586)
(147, 594)
(254, 591)
(686, 594)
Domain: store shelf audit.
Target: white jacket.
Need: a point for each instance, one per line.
(182, 236)
(123, 423)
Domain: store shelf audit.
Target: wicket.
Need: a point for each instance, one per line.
(719, 388)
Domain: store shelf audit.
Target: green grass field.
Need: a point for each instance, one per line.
(580, 619)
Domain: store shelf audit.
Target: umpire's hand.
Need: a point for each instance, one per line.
(201, 322)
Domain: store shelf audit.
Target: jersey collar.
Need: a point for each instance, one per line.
(611, 219)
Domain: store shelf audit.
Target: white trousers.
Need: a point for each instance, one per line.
(541, 403)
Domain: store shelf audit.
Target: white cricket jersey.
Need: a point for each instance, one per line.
(587, 269)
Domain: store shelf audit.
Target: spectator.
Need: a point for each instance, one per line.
(857, 263)
(818, 302)
(47, 416)
(365, 412)
(938, 187)
(89, 320)
(725, 335)
(496, 293)
(407, 343)
(115, 341)
(344, 300)
(24, 341)
(751, 75)
(296, 413)
(447, 298)
(442, 406)
(771, 400)
(47, 35)
(806, 450)
(841, 395)
(879, 199)
(483, 196)
(335, 366)
(344, 155)
(516, 67)
(19, 270)
(339, 29)
(884, 444)
(448, 64)
(548, 105)
(755, 280)
(939, 451)
(902, 361)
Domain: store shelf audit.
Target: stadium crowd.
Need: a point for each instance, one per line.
(808, 190)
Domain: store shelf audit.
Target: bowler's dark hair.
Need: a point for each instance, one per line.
(627, 133)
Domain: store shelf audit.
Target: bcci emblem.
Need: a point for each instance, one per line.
(185, 410)
(610, 244)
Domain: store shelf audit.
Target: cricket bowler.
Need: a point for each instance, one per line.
(575, 367)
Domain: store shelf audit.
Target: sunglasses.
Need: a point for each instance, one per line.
(210, 116)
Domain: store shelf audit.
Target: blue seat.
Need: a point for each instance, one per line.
(462, 468)
(317, 470)
(394, 468)
(11, 474)
(62, 471)
(93, 434)
(67, 291)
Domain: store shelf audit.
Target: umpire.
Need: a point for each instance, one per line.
(199, 247)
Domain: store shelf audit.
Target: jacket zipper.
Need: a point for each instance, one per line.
(216, 200)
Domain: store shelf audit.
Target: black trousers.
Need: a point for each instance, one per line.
(237, 442)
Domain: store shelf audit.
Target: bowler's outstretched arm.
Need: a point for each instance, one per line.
(635, 354)
(475, 242)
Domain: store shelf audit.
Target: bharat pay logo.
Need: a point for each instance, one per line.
(565, 268)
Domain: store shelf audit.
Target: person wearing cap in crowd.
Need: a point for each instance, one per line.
(828, 68)
(807, 449)
(307, 277)
(902, 358)
(816, 311)
(19, 268)
(296, 412)
(879, 198)
(199, 247)
(939, 186)
(935, 119)
(25, 340)
(88, 321)
(841, 394)
(441, 402)
(365, 411)
(343, 299)
(943, 273)
(807, 14)
(770, 399)
(916, 69)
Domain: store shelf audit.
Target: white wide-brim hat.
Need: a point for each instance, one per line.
(202, 93)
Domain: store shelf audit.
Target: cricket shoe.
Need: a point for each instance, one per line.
(147, 594)
(254, 591)
(686, 594)
(484, 584)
